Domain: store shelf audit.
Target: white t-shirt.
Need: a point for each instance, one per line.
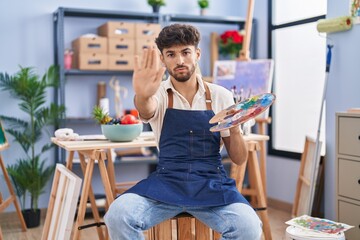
(220, 96)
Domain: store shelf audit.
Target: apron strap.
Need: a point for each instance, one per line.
(207, 96)
(170, 98)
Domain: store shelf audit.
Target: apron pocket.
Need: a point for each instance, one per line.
(200, 143)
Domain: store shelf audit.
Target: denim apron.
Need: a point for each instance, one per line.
(189, 172)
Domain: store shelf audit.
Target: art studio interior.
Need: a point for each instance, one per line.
(72, 139)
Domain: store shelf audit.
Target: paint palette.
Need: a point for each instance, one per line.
(242, 111)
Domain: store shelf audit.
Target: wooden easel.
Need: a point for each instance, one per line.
(261, 122)
(258, 171)
(244, 55)
(12, 198)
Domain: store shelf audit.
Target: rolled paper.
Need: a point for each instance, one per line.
(104, 105)
(334, 25)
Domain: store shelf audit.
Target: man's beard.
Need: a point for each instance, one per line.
(184, 76)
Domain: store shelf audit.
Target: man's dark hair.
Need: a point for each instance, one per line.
(177, 34)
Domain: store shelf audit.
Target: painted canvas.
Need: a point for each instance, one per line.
(3, 141)
(245, 78)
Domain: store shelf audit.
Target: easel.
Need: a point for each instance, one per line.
(257, 171)
(12, 198)
(261, 122)
(244, 55)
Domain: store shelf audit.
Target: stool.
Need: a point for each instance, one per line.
(183, 226)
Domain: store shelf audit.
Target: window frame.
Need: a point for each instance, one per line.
(271, 150)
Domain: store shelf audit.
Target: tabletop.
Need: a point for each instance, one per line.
(146, 139)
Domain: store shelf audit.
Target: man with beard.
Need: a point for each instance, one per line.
(189, 176)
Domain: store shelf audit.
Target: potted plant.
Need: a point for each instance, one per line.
(203, 4)
(156, 4)
(29, 173)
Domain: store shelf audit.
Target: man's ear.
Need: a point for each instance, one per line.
(198, 54)
(161, 58)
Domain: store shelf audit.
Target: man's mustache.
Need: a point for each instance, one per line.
(181, 66)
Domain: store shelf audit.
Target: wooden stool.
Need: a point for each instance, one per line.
(185, 227)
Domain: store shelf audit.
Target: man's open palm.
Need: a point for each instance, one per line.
(148, 73)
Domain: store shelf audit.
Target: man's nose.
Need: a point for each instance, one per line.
(180, 60)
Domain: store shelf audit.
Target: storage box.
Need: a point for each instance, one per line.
(91, 61)
(90, 45)
(117, 29)
(121, 46)
(122, 62)
(142, 43)
(147, 30)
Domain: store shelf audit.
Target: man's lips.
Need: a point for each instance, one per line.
(180, 69)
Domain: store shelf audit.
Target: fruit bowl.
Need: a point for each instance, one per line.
(122, 132)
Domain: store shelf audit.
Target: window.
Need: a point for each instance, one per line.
(299, 52)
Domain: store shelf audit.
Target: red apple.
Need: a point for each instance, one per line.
(129, 119)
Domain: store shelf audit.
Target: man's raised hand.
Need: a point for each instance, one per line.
(148, 73)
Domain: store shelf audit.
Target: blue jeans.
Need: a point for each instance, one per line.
(130, 214)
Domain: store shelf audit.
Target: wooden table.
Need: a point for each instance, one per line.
(96, 151)
(99, 151)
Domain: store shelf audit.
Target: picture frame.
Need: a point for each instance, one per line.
(3, 140)
(245, 78)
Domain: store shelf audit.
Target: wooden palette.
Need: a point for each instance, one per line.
(242, 111)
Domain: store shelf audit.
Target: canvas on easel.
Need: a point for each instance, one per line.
(62, 204)
(302, 202)
(4, 203)
(245, 78)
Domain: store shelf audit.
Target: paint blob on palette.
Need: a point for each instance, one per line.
(242, 111)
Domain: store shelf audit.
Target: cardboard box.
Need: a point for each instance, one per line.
(91, 61)
(147, 30)
(142, 43)
(121, 46)
(121, 62)
(117, 29)
(90, 45)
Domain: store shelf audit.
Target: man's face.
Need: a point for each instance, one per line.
(181, 61)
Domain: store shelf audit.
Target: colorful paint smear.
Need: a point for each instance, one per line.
(243, 111)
